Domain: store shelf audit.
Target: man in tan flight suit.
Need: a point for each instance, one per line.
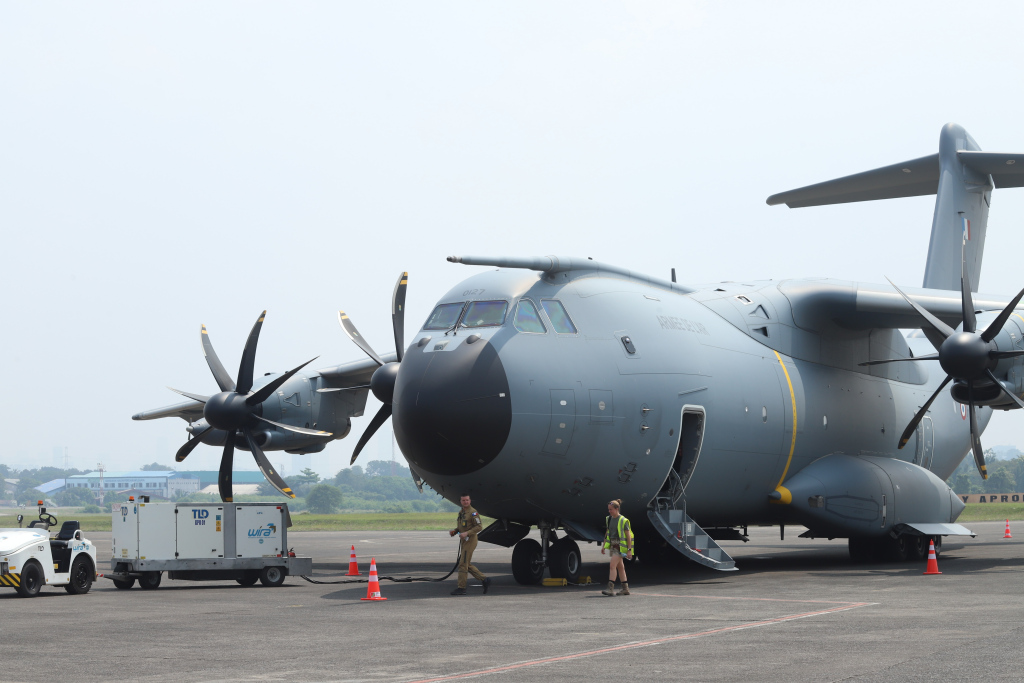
(467, 528)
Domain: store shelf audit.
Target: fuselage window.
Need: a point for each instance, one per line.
(528, 318)
(558, 316)
(485, 314)
(444, 317)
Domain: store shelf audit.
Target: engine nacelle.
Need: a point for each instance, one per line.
(845, 495)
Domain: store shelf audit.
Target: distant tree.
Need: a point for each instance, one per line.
(31, 496)
(26, 483)
(350, 476)
(307, 476)
(386, 468)
(324, 499)
(156, 467)
(74, 497)
(91, 509)
(1000, 481)
(5, 472)
(267, 489)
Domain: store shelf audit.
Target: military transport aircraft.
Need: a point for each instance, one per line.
(546, 386)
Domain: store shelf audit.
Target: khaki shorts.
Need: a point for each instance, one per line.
(615, 553)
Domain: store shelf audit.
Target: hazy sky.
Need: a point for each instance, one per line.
(164, 165)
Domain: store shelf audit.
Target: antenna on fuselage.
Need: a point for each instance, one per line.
(673, 275)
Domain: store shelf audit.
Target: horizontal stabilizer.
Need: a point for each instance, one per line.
(908, 179)
(1007, 170)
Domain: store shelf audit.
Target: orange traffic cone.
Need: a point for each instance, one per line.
(1007, 533)
(373, 590)
(353, 566)
(933, 564)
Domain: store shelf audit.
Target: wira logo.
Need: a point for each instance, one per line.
(262, 533)
(200, 516)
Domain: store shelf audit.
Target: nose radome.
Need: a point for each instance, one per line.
(452, 412)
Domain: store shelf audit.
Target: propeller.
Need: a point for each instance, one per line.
(967, 357)
(237, 410)
(382, 383)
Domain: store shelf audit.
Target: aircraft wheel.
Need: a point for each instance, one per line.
(31, 579)
(896, 549)
(249, 579)
(938, 546)
(564, 560)
(150, 580)
(125, 584)
(82, 574)
(863, 550)
(526, 565)
(272, 576)
(919, 548)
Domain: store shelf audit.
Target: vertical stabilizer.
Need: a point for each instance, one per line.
(961, 176)
(961, 214)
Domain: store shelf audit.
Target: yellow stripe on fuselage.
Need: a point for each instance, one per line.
(792, 399)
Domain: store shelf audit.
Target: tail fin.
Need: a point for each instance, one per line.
(961, 176)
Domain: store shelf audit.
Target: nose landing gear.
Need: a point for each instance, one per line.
(561, 556)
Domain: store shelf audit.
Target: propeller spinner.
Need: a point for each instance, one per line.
(236, 409)
(382, 382)
(967, 357)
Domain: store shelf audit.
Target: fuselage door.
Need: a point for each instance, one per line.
(563, 420)
(925, 443)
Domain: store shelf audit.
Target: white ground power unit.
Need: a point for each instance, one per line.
(247, 542)
(30, 559)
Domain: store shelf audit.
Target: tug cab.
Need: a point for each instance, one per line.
(30, 558)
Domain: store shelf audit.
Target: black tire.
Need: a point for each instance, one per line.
(863, 550)
(250, 578)
(82, 575)
(938, 546)
(125, 584)
(564, 560)
(272, 576)
(31, 579)
(150, 581)
(896, 549)
(919, 548)
(527, 568)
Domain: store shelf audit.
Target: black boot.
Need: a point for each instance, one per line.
(459, 591)
(487, 585)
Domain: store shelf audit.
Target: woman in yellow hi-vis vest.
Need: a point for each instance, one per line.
(618, 541)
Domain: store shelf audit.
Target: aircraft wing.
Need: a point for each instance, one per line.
(190, 411)
(820, 304)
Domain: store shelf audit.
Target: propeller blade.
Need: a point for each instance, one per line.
(224, 476)
(921, 413)
(265, 467)
(979, 454)
(297, 430)
(398, 313)
(940, 327)
(354, 335)
(224, 380)
(245, 368)
(966, 301)
(1016, 399)
(933, 356)
(266, 390)
(189, 446)
(993, 329)
(380, 418)
(324, 390)
(1005, 354)
(194, 397)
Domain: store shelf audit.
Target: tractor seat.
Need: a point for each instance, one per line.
(67, 531)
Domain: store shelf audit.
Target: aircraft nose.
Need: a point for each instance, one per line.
(452, 412)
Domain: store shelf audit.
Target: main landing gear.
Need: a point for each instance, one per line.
(561, 556)
(887, 549)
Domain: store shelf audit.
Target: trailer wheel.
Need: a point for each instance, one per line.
(124, 584)
(249, 579)
(150, 580)
(272, 576)
(31, 579)
(82, 575)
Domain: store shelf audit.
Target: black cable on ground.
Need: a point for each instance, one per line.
(404, 579)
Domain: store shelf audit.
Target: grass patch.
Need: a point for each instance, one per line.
(99, 522)
(991, 512)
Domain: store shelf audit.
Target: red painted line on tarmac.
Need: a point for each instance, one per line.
(645, 643)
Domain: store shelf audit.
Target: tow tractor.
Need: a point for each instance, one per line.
(29, 558)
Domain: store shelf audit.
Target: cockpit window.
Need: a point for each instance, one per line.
(485, 314)
(528, 318)
(558, 316)
(444, 316)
